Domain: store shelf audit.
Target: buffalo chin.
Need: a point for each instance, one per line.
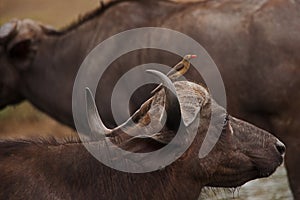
(265, 172)
(242, 177)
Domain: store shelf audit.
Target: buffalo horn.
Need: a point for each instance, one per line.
(95, 123)
(8, 30)
(172, 106)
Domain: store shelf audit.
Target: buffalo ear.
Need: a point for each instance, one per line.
(21, 39)
(22, 53)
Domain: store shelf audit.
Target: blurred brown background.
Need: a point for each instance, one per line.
(54, 12)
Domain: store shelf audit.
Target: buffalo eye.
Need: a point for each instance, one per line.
(225, 123)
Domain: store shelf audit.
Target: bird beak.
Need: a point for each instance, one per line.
(193, 56)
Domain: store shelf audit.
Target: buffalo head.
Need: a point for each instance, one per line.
(242, 152)
(19, 41)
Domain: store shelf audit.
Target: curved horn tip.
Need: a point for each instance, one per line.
(165, 80)
(95, 123)
(89, 97)
(88, 90)
(8, 29)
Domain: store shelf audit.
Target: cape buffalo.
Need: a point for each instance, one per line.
(255, 44)
(66, 170)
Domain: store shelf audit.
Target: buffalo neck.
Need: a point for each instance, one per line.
(171, 182)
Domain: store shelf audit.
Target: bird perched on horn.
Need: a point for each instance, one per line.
(178, 70)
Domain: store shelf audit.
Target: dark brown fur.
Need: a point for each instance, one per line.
(256, 51)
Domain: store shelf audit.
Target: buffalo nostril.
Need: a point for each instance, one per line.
(280, 147)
